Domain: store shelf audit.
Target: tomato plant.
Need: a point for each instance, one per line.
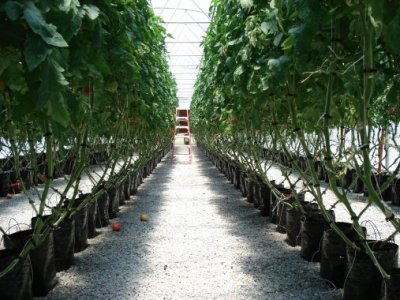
(79, 78)
(308, 80)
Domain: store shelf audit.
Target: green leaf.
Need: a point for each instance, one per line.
(92, 11)
(13, 10)
(246, 3)
(52, 80)
(278, 39)
(35, 52)
(392, 34)
(37, 23)
(265, 27)
(65, 5)
(57, 110)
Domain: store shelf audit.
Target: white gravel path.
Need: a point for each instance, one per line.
(203, 241)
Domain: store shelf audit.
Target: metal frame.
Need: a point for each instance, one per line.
(187, 22)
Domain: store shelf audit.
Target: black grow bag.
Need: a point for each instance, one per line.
(265, 196)
(243, 189)
(363, 280)
(293, 221)
(102, 218)
(17, 284)
(133, 185)
(391, 288)
(92, 218)
(64, 244)
(4, 183)
(256, 195)
(81, 223)
(26, 177)
(127, 187)
(81, 230)
(113, 196)
(396, 192)
(238, 174)
(281, 209)
(42, 259)
(273, 205)
(312, 229)
(333, 253)
(121, 193)
(250, 190)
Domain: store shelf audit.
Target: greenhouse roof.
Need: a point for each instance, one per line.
(187, 22)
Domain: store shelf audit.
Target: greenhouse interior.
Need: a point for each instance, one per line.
(200, 149)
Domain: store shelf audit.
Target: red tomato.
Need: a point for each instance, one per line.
(234, 119)
(87, 91)
(1, 85)
(16, 185)
(116, 227)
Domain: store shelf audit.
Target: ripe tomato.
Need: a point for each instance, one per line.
(87, 91)
(234, 119)
(1, 85)
(116, 227)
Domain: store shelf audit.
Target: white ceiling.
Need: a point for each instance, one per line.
(187, 22)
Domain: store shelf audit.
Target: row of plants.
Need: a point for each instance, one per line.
(312, 87)
(34, 275)
(341, 266)
(81, 83)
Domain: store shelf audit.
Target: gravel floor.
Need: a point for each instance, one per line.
(203, 241)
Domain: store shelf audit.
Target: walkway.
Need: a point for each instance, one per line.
(203, 241)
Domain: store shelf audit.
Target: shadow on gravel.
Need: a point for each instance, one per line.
(276, 268)
(114, 264)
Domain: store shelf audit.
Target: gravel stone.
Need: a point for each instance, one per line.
(203, 241)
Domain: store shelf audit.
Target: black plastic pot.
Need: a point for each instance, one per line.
(17, 284)
(92, 218)
(237, 174)
(293, 222)
(4, 183)
(102, 218)
(333, 253)
(273, 206)
(391, 288)
(311, 231)
(81, 225)
(127, 187)
(387, 194)
(121, 193)
(282, 206)
(231, 172)
(43, 172)
(113, 195)
(396, 192)
(347, 179)
(375, 183)
(250, 190)
(26, 177)
(42, 259)
(64, 244)
(256, 195)
(133, 185)
(243, 188)
(265, 196)
(69, 165)
(363, 280)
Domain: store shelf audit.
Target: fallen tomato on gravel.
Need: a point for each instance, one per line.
(116, 227)
(144, 217)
